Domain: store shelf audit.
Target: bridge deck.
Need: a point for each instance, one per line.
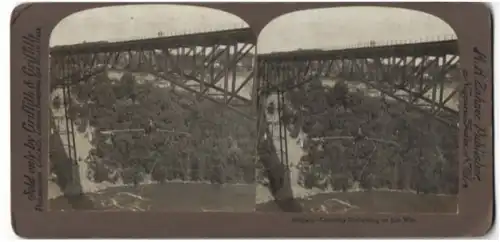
(223, 37)
(436, 48)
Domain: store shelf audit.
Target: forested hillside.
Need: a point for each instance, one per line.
(361, 141)
(202, 140)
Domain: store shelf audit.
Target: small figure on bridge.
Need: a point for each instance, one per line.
(150, 128)
(112, 138)
(359, 135)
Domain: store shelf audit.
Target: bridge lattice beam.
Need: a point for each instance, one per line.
(418, 81)
(222, 73)
(219, 73)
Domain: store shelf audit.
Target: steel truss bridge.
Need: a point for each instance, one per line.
(207, 64)
(412, 73)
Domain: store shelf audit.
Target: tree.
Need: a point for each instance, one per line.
(372, 142)
(201, 141)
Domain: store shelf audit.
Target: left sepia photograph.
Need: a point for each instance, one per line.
(151, 110)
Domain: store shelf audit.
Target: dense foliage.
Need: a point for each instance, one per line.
(194, 139)
(354, 139)
(370, 141)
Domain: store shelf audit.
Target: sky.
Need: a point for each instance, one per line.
(329, 28)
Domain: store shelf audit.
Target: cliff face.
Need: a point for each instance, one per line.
(65, 171)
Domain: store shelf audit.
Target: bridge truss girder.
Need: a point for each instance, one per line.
(216, 73)
(211, 72)
(417, 81)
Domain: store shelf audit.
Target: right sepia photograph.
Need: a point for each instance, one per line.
(359, 112)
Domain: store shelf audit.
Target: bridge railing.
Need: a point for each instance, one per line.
(160, 34)
(196, 31)
(374, 43)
